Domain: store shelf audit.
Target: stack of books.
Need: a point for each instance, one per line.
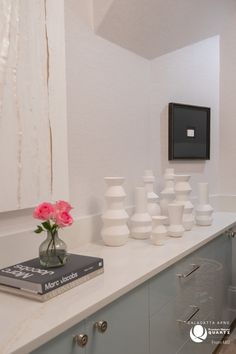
(31, 280)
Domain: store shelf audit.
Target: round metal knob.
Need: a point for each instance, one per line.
(101, 326)
(81, 339)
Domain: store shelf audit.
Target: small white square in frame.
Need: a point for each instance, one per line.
(190, 133)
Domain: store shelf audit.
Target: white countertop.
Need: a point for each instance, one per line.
(26, 324)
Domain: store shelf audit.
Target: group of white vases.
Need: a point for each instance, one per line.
(146, 222)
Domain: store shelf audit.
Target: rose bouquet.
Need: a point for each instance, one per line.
(52, 252)
(55, 216)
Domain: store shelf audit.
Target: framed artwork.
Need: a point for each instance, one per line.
(189, 132)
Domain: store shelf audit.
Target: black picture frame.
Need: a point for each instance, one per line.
(189, 132)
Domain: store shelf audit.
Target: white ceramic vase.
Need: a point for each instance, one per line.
(141, 221)
(175, 212)
(168, 193)
(159, 230)
(115, 231)
(182, 192)
(153, 207)
(203, 212)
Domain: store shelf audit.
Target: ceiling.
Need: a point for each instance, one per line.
(151, 28)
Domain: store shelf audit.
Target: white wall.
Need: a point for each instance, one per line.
(227, 167)
(189, 75)
(108, 116)
(228, 108)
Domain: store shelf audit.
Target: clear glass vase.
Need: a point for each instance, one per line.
(53, 251)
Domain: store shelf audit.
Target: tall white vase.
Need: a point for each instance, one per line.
(182, 192)
(141, 221)
(153, 207)
(203, 212)
(168, 193)
(175, 212)
(159, 230)
(115, 231)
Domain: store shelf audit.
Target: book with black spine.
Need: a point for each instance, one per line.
(31, 279)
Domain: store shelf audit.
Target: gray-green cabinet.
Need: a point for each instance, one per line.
(156, 317)
(121, 327)
(196, 291)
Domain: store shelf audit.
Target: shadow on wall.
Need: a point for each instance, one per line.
(179, 166)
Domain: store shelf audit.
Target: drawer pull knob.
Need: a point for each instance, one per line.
(101, 326)
(190, 315)
(185, 275)
(230, 233)
(81, 339)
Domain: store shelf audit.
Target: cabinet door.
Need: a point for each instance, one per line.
(162, 290)
(127, 326)
(168, 332)
(65, 343)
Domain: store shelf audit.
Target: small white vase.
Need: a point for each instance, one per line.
(182, 193)
(168, 193)
(159, 231)
(203, 212)
(141, 222)
(115, 231)
(153, 207)
(175, 212)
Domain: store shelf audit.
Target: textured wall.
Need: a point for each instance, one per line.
(189, 75)
(33, 138)
(108, 112)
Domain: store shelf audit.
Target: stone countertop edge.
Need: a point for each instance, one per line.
(27, 324)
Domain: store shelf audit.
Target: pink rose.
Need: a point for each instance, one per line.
(63, 218)
(61, 205)
(44, 211)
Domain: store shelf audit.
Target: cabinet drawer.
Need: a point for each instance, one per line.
(167, 334)
(177, 283)
(170, 328)
(200, 279)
